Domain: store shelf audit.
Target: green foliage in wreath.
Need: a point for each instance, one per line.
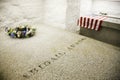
(25, 31)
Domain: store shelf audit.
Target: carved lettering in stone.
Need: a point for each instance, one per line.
(46, 63)
(52, 59)
(41, 66)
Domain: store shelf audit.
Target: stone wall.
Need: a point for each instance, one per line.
(58, 13)
(72, 14)
(111, 7)
(55, 13)
(62, 13)
(86, 7)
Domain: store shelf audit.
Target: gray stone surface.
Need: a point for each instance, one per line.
(112, 23)
(14, 12)
(54, 54)
(109, 32)
(72, 15)
(58, 13)
(55, 13)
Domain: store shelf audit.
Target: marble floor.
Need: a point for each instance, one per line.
(56, 54)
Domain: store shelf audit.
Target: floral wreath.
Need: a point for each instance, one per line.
(25, 31)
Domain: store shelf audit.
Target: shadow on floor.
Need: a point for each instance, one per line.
(2, 76)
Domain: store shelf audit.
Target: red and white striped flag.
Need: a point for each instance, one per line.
(91, 22)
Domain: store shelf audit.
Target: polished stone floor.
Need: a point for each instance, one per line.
(55, 54)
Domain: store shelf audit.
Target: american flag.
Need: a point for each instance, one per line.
(91, 22)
